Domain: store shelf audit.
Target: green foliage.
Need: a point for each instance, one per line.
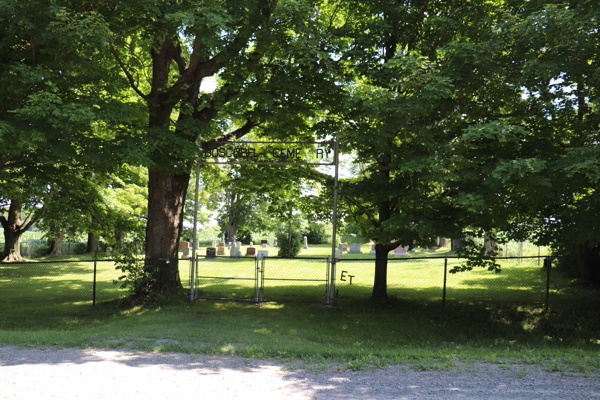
(289, 243)
(316, 233)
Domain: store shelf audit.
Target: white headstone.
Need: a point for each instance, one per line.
(238, 245)
(338, 253)
(263, 245)
(262, 254)
(214, 243)
(305, 242)
(235, 252)
(251, 244)
(186, 252)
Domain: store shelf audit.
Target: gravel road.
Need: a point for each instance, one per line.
(106, 374)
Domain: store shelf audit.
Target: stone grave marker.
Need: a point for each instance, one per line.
(372, 249)
(400, 251)
(345, 246)
(221, 250)
(235, 252)
(355, 248)
(211, 252)
(305, 242)
(186, 252)
(183, 245)
(262, 254)
(214, 243)
(250, 251)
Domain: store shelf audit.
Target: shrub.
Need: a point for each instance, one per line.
(287, 247)
(316, 233)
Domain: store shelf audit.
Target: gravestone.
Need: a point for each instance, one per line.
(221, 244)
(183, 245)
(271, 241)
(250, 251)
(432, 249)
(211, 252)
(355, 248)
(251, 244)
(263, 245)
(238, 245)
(305, 242)
(235, 252)
(186, 252)
(372, 249)
(400, 251)
(345, 248)
(214, 243)
(338, 254)
(221, 250)
(228, 244)
(262, 254)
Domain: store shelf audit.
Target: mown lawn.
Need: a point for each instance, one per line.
(487, 316)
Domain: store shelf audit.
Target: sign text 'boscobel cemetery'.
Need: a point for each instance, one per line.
(267, 153)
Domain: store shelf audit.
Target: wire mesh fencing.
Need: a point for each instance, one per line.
(58, 282)
(267, 279)
(521, 281)
(430, 279)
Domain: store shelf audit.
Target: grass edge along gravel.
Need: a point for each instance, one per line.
(356, 334)
(206, 328)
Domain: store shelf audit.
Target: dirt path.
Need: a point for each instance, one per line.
(105, 374)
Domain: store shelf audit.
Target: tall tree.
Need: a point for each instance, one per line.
(269, 58)
(423, 71)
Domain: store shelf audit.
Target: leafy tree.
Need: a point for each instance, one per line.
(315, 233)
(424, 72)
(57, 88)
(269, 57)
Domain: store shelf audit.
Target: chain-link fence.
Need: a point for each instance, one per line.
(59, 282)
(301, 279)
(522, 281)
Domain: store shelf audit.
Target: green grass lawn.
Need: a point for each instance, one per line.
(487, 316)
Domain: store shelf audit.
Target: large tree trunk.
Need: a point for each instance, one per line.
(92, 243)
(13, 229)
(381, 264)
(56, 247)
(12, 245)
(589, 261)
(166, 199)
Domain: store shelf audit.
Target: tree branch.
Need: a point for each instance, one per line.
(127, 74)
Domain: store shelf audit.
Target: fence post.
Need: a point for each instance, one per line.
(444, 291)
(328, 285)
(94, 283)
(547, 265)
